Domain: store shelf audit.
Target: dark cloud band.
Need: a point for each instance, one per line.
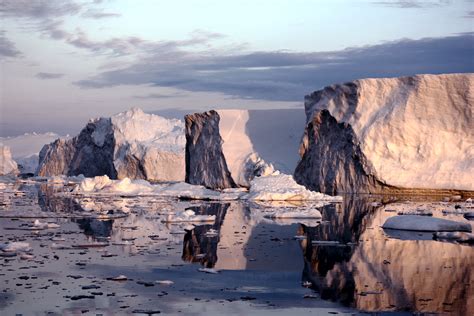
(288, 76)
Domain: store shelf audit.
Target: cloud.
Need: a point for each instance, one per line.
(39, 9)
(469, 15)
(99, 14)
(407, 4)
(121, 46)
(49, 75)
(47, 10)
(159, 96)
(7, 47)
(288, 76)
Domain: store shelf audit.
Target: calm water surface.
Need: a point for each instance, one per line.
(265, 266)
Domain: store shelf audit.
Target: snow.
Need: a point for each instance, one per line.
(260, 139)
(189, 216)
(283, 187)
(157, 142)
(149, 129)
(424, 223)
(25, 148)
(7, 164)
(417, 132)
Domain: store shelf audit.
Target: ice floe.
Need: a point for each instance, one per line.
(188, 216)
(269, 188)
(424, 223)
(283, 187)
(15, 247)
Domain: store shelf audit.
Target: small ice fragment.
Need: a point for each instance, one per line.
(91, 245)
(189, 216)
(15, 247)
(58, 239)
(212, 233)
(118, 278)
(300, 237)
(59, 246)
(26, 256)
(123, 243)
(164, 282)
(325, 242)
(469, 215)
(208, 270)
(416, 212)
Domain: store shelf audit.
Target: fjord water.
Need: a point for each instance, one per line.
(264, 266)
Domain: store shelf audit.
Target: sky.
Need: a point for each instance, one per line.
(65, 61)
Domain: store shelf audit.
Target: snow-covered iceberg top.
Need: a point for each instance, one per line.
(136, 126)
(278, 187)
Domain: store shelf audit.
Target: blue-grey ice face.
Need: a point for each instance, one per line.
(64, 61)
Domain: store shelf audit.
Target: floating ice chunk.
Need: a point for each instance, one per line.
(41, 225)
(325, 242)
(198, 192)
(416, 212)
(164, 282)
(91, 245)
(189, 216)
(283, 187)
(15, 247)
(208, 270)
(104, 185)
(212, 233)
(425, 223)
(118, 278)
(457, 236)
(26, 256)
(469, 215)
(59, 246)
(296, 214)
(122, 243)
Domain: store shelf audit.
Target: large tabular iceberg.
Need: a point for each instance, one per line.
(228, 148)
(382, 135)
(131, 144)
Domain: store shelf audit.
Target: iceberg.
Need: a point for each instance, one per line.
(390, 135)
(7, 165)
(131, 144)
